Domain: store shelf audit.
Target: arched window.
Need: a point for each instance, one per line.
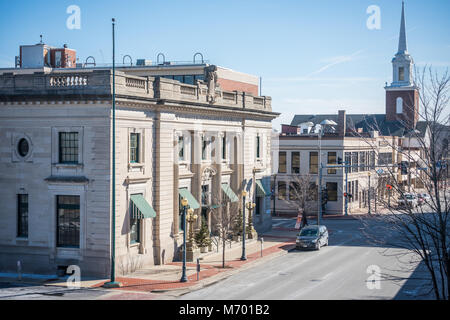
(399, 105)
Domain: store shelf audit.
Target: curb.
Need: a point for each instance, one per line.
(221, 276)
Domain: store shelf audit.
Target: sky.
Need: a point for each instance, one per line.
(315, 56)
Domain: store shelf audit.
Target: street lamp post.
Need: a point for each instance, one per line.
(184, 203)
(113, 283)
(243, 257)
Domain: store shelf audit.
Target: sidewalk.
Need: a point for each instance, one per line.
(162, 278)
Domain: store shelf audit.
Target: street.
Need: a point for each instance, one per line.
(339, 271)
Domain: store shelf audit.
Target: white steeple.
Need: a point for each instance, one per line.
(402, 63)
(402, 48)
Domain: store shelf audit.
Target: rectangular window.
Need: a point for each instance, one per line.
(281, 190)
(68, 221)
(294, 191)
(258, 147)
(178, 78)
(22, 215)
(282, 162)
(295, 162)
(362, 161)
(385, 158)
(348, 161)
(332, 160)
(372, 160)
(68, 147)
(224, 147)
(204, 148)
(313, 192)
(332, 191)
(313, 162)
(352, 191)
(181, 148)
(401, 74)
(135, 225)
(134, 147)
(355, 162)
(356, 191)
(189, 79)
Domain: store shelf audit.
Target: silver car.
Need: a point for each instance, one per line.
(312, 237)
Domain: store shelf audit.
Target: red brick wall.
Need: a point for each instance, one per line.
(71, 56)
(231, 85)
(410, 113)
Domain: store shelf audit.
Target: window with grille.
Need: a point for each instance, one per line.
(135, 225)
(22, 215)
(348, 161)
(68, 221)
(282, 162)
(68, 147)
(332, 191)
(181, 148)
(281, 190)
(355, 162)
(313, 162)
(134, 147)
(295, 162)
(332, 160)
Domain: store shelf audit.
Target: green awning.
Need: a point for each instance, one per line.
(192, 203)
(140, 208)
(261, 191)
(229, 192)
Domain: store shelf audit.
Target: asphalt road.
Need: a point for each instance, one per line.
(339, 271)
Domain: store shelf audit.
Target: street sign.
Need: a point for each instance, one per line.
(380, 171)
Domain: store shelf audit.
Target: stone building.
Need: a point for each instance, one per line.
(179, 133)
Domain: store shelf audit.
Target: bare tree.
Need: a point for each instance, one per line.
(303, 193)
(423, 230)
(226, 215)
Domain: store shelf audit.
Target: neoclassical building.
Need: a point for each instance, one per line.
(196, 131)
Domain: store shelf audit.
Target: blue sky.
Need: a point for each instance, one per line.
(314, 56)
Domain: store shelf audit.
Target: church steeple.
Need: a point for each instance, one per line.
(402, 48)
(402, 96)
(402, 63)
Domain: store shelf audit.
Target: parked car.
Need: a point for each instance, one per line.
(424, 198)
(312, 237)
(408, 200)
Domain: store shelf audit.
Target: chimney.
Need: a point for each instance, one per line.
(342, 125)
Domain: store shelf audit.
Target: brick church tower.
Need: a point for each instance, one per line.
(402, 96)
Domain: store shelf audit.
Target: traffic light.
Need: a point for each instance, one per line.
(404, 167)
